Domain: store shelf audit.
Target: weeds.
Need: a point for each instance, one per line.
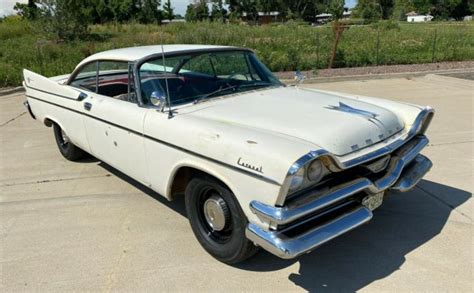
(282, 47)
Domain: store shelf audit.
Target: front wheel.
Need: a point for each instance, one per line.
(66, 147)
(217, 220)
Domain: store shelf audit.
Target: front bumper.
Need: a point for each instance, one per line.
(301, 226)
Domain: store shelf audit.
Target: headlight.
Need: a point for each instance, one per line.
(316, 171)
(297, 180)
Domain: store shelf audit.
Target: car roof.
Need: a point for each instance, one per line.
(136, 53)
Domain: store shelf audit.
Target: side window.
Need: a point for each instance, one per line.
(86, 78)
(114, 80)
(234, 65)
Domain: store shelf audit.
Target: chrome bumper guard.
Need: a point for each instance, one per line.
(406, 168)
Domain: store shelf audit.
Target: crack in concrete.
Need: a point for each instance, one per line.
(451, 143)
(443, 202)
(13, 119)
(52, 180)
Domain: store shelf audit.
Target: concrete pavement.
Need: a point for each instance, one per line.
(85, 226)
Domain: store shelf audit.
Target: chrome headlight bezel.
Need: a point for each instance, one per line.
(298, 179)
(316, 171)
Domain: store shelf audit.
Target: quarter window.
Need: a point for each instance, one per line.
(86, 78)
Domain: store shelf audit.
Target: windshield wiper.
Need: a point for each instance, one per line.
(203, 97)
(232, 87)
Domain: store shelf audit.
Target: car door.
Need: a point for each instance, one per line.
(114, 121)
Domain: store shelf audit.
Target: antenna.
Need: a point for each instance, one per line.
(168, 99)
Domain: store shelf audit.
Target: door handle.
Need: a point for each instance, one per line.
(87, 106)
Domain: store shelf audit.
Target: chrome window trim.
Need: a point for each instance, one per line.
(419, 126)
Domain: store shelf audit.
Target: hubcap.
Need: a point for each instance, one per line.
(216, 213)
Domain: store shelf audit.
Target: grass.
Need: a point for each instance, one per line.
(281, 47)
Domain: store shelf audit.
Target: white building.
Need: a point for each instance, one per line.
(419, 18)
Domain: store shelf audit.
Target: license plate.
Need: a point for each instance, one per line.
(373, 201)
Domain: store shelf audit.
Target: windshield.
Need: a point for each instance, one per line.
(193, 78)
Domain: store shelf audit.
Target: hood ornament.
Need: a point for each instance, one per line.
(348, 109)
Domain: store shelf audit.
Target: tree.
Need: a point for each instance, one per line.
(369, 10)
(336, 8)
(450, 8)
(148, 11)
(249, 7)
(298, 8)
(422, 6)
(190, 15)
(29, 10)
(386, 8)
(202, 10)
(103, 13)
(168, 10)
(123, 10)
(218, 12)
(401, 8)
(66, 19)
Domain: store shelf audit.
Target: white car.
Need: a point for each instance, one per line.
(260, 164)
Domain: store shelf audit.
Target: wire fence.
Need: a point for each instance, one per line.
(364, 46)
(282, 47)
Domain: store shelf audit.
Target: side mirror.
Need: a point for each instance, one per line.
(158, 100)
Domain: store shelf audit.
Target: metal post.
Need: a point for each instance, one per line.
(433, 51)
(39, 50)
(318, 64)
(378, 48)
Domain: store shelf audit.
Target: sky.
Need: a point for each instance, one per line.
(6, 6)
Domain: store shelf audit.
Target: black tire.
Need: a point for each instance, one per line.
(66, 148)
(230, 245)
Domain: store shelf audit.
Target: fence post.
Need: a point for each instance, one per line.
(318, 64)
(39, 52)
(378, 47)
(433, 51)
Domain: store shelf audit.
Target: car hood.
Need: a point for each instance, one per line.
(337, 124)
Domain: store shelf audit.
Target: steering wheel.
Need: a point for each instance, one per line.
(233, 75)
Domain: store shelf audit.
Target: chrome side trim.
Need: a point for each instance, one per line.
(280, 245)
(287, 214)
(419, 126)
(168, 144)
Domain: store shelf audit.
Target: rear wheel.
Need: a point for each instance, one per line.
(217, 220)
(66, 147)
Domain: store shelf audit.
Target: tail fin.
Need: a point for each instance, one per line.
(35, 84)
